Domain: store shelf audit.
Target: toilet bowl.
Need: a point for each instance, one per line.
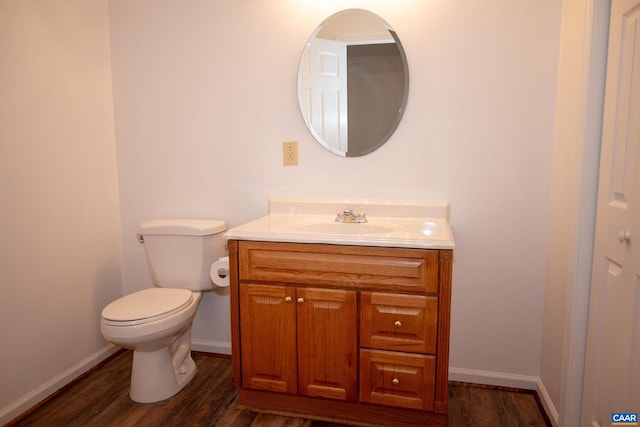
(160, 339)
(156, 322)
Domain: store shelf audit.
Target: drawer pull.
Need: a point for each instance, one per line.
(300, 300)
(395, 381)
(398, 324)
(287, 299)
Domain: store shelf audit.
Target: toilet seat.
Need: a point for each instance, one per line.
(148, 305)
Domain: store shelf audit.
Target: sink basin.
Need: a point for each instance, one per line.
(344, 228)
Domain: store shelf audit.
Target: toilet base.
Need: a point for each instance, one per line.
(161, 374)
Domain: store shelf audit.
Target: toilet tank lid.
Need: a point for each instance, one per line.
(186, 227)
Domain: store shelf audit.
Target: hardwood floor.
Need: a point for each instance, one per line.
(101, 398)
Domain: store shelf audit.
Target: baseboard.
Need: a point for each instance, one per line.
(493, 378)
(547, 404)
(54, 384)
(217, 347)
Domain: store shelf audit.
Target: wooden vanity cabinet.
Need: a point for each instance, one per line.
(349, 333)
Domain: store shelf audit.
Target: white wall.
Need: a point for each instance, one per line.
(60, 252)
(205, 92)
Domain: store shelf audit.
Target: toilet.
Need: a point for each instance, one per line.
(156, 323)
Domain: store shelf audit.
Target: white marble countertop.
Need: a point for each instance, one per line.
(392, 223)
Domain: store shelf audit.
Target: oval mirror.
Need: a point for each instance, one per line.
(353, 82)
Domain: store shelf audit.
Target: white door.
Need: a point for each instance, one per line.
(323, 82)
(612, 367)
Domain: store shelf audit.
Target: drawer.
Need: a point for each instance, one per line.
(357, 267)
(398, 322)
(397, 379)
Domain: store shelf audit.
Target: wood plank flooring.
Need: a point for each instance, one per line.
(101, 398)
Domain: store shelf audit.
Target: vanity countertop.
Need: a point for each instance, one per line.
(391, 223)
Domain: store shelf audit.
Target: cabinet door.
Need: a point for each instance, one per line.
(327, 343)
(268, 339)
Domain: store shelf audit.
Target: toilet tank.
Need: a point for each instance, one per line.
(180, 251)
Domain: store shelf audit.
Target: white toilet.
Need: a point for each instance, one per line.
(156, 322)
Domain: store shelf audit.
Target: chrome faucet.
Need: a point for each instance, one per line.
(350, 215)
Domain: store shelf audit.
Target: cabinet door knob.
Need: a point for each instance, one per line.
(624, 236)
(398, 324)
(395, 381)
(287, 299)
(300, 300)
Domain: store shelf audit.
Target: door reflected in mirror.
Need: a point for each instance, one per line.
(353, 82)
